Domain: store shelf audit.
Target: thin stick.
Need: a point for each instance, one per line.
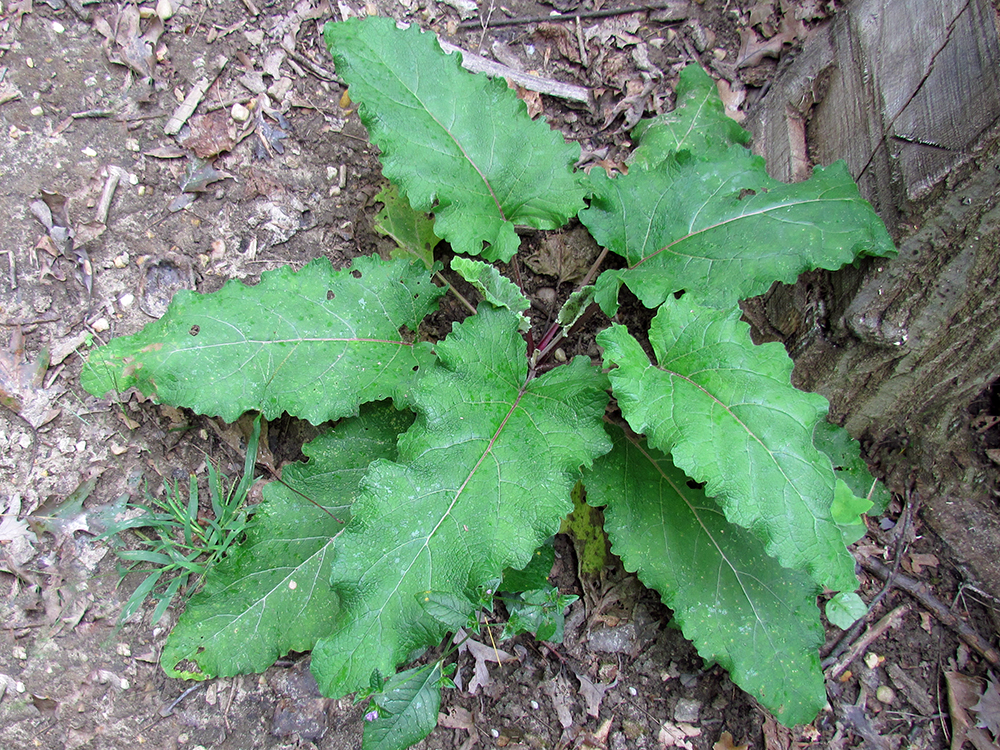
(458, 294)
(867, 639)
(478, 64)
(194, 97)
(583, 47)
(605, 13)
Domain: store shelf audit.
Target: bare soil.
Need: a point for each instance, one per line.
(85, 93)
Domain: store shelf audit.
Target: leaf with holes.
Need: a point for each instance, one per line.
(315, 343)
(741, 608)
(726, 412)
(272, 594)
(459, 145)
(482, 479)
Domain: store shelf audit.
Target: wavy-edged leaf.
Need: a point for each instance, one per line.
(272, 594)
(496, 289)
(725, 410)
(483, 478)
(316, 343)
(741, 608)
(698, 123)
(723, 230)
(457, 144)
(408, 709)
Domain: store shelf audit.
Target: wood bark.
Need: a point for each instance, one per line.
(908, 93)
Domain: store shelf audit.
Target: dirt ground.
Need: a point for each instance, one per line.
(86, 92)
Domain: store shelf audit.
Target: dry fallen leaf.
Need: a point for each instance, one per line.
(753, 49)
(16, 539)
(676, 735)
(567, 256)
(21, 388)
(18, 9)
(593, 693)
(210, 134)
(918, 561)
(988, 708)
(963, 694)
(482, 654)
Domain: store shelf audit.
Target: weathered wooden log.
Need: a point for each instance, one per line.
(908, 93)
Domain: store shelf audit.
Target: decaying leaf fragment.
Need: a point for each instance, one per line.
(988, 708)
(21, 381)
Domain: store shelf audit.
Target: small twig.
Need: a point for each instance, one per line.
(115, 175)
(317, 70)
(194, 97)
(593, 269)
(93, 113)
(478, 64)
(867, 639)
(461, 298)
(919, 591)
(13, 274)
(583, 47)
(604, 13)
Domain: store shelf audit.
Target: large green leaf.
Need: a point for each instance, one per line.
(698, 123)
(457, 144)
(725, 410)
(722, 230)
(741, 608)
(272, 594)
(483, 478)
(316, 343)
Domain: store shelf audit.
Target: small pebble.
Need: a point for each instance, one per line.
(123, 649)
(559, 354)
(885, 694)
(101, 325)
(121, 261)
(687, 710)
(89, 152)
(29, 62)
(19, 652)
(534, 705)
(239, 113)
(58, 27)
(37, 111)
(126, 299)
(546, 295)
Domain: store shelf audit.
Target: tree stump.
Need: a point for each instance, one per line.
(908, 93)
